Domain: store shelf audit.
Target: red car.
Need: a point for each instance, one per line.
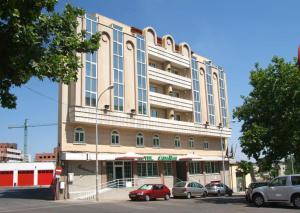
(150, 191)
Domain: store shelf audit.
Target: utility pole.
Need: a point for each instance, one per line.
(25, 127)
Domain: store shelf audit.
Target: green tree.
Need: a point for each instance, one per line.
(36, 41)
(245, 168)
(271, 113)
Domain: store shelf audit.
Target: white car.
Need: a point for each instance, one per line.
(283, 189)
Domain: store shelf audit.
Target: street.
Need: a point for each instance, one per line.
(33, 203)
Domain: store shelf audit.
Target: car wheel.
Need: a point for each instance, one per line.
(147, 198)
(204, 194)
(296, 201)
(230, 194)
(189, 196)
(258, 200)
(167, 197)
(219, 194)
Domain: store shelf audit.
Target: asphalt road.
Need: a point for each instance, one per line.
(36, 202)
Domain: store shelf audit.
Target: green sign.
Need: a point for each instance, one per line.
(148, 157)
(167, 158)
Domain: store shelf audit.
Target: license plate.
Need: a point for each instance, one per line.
(132, 195)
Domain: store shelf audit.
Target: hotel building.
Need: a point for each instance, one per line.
(165, 120)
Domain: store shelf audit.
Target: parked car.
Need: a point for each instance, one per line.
(283, 189)
(188, 189)
(150, 191)
(218, 189)
(250, 188)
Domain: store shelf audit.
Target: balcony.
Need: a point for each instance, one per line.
(164, 77)
(161, 54)
(85, 115)
(166, 101)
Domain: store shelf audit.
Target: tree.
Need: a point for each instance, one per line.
(36, 41)
(245, 168)
(271, 114)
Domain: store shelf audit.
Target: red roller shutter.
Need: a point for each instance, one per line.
(25, 178)
(45, 177)
(6, 178)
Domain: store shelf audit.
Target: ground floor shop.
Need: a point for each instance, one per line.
(165, 169)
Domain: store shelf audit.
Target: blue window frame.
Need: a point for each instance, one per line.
(91, 65)
(210, 95)
(141, 75)
(196, 91)
(118, 68)
(223, 97)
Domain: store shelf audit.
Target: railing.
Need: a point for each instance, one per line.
(90, 192)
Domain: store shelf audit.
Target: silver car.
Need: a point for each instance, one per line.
(188, 189)
(218, 189)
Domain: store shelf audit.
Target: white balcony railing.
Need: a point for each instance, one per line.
(167, 101)
(123, 120)
(169, 78)
(166, 55)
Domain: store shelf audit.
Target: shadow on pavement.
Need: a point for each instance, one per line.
(35, 194)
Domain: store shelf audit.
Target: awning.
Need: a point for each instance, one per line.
(129, 156)
(190, 157)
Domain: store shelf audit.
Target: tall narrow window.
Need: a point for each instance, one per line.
(118, 68)
(223, 97)
(115, 138)
(210, 96)
(177, 142)
(90, 65)
(196, 91)
(140, 140)
(156, 142)
(191, 143)
(141, 75)
(79, 135)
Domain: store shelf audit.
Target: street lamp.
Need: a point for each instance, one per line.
(97, 170)
(222, 147)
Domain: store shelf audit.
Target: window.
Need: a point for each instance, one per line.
(191, 143)
(206, 145)
(223, 97)
(168, 168)
(147, 169)
(196, 91)
(174, 94)
(295, 180)
(156, 142)
(140, 140)
(151, 64)
(177, 117)
(91, 65)
(210, 96)
(118, 68)
(195, 168)
(79, 135)
(115, 138)
(177, 142)
(212, 167)
(222, 145)
(141, 75)
(281, 181)
(153, 89)
(154, 113)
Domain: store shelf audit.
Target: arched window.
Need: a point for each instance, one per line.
(156, 142)
(177, 141)
(115, 138)
(140, 140)
(79, 135)
(191, 142)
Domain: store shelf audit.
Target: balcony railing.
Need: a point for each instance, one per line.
(169, 78)
(167, 101)
(161, 53)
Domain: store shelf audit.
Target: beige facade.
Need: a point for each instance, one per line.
(166, 101)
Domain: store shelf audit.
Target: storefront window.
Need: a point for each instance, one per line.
(110, 170)
(195, 168)
(167, 168)
(147, 169)
(127, 169)
(212, 167)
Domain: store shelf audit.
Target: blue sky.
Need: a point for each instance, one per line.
(234, 34)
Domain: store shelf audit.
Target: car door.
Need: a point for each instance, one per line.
(190, 188)
(277, 189)
(199, 188)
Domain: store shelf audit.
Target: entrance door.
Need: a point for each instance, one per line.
(119, 176)
(181, 170)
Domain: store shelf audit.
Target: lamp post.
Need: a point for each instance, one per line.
(97, 169)
(223, 163)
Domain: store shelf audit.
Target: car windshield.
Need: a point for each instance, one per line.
(146, 187)
(180, 184)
